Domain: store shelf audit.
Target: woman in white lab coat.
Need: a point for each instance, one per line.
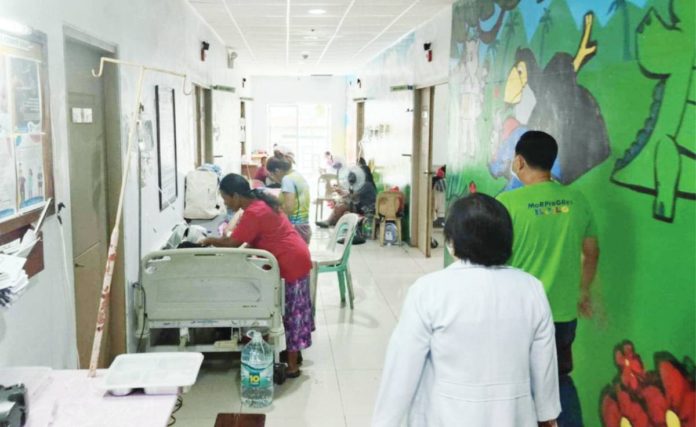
(474, 345)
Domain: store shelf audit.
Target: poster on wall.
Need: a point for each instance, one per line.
(25, 152)
(8, 179)
(166, 146)
(26, 95)
(146, 141)
(30, 171)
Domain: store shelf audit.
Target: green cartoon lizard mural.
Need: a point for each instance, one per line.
(660, 162)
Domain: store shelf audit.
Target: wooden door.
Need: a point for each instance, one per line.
(424, 153)
(360, 130)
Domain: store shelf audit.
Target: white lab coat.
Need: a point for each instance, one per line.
(474, 346)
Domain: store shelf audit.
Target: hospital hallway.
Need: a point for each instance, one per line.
(342, 368)
(232, 213)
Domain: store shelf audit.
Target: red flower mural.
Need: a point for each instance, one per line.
(630, 365)
(623, 411)
(662, 398)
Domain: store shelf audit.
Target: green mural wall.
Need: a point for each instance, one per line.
(614, 82)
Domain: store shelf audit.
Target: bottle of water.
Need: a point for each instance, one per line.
(257, 372)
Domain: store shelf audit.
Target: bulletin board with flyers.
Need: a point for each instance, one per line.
(26, 167)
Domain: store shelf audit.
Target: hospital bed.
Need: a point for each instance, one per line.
(187, 289)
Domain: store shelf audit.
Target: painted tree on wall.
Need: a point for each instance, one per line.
(511, 28)
(474, 12)
(622, 5)
(545, 27)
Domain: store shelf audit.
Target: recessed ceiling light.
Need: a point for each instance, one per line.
(317, 11)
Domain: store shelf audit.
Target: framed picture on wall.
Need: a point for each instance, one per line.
(26, 162)
(166, 146)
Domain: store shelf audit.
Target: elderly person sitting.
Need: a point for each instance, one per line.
(475, 342)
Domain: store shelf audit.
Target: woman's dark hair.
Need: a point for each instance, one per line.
(480, 229)
(275, 163)
(233, 184)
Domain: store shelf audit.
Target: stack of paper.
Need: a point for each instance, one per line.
(13, 279)
(21, 248)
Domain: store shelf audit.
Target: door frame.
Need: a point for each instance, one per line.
(418, 168)
(416, 162)
(203, 122)
(119, 319)
(359, 130)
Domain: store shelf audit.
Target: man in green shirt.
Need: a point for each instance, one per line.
(555, 239)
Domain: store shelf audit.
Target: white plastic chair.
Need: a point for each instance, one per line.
(335, 257)
(324, 194)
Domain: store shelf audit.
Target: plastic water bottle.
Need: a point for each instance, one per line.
(390, 233)
(257, 372)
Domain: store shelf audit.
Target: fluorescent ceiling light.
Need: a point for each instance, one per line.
(14, 27)
(317, 11)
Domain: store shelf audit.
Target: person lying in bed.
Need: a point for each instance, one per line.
(264, 226)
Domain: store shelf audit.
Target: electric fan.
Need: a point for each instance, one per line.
(352, 178)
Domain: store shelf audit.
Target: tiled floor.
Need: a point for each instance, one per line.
(342, 369)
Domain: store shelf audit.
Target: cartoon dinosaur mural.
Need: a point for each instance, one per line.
(660, 161)
(551, 100)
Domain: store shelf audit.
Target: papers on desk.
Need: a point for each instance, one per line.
(21, 248)
(13, 279)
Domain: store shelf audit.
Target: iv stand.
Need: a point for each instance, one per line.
(113, 243)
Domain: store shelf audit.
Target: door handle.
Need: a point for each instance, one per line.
(428, 173)
(76, 265)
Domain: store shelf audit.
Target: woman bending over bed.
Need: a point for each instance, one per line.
(264, 226)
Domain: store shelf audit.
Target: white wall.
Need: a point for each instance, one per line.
(301, 90)
(161, 33)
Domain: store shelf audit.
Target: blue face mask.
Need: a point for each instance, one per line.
(513, 175)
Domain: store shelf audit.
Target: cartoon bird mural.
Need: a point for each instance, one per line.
(660, 161)
(551, 100)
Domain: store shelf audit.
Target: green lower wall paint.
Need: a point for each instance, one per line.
(624, 112)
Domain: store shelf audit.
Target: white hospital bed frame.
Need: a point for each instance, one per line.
(213, 288)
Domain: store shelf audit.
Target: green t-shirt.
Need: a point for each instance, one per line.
(550, 222)
(295, 184)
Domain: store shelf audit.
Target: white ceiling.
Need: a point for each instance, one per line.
(271, 36)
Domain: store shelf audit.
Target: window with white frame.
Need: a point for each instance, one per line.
(305, 129)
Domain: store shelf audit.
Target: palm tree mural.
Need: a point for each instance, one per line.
(622, 5)
(545, 23)
(509, 31)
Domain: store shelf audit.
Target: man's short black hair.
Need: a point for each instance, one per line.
(538, 148)
(480, 229)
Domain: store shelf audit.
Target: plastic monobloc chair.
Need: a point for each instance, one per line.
(334, 258)
(324, 189)
(387, 210)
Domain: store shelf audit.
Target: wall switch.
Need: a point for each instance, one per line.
(86, 115)
(76, 115)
